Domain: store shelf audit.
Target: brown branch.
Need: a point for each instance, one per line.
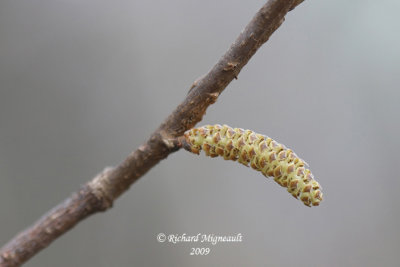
(99, 194)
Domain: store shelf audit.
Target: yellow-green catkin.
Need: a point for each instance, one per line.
(262, 153)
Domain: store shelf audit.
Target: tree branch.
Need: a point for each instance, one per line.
(99, 194)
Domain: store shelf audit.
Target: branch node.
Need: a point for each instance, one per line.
(101, 189)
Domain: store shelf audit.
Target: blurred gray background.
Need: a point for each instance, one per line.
(83, 83)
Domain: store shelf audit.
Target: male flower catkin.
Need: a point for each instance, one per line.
(263, 154)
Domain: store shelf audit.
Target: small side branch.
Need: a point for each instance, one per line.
(99, 194)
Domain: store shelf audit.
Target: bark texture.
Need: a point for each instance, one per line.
(98, 194)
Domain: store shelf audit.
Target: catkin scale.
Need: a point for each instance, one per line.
(260, 152)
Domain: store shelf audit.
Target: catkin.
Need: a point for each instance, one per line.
(262, 153)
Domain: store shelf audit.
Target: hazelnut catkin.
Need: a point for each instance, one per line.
(261, 152)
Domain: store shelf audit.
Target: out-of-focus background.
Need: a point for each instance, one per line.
(83, 83)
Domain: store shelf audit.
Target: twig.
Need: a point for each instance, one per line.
(99, 194)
